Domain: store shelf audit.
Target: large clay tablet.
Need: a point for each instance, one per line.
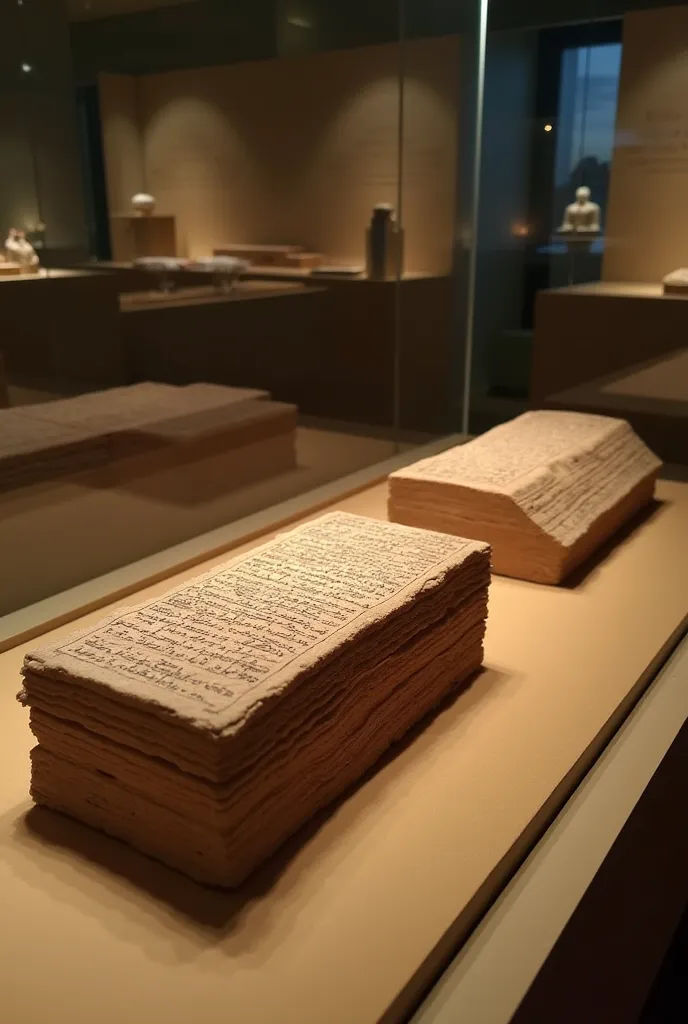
(544, 490)
(207, 725)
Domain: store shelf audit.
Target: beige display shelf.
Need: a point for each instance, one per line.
(352, 919)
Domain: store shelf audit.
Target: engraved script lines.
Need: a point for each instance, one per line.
(219, 637)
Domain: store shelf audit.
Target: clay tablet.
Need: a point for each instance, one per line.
(544, 490)
(207, 725)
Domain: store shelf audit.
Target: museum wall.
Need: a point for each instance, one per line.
(121, 134)
(295, 150)
(647, 216)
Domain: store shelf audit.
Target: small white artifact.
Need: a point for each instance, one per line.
(158, 263)
(583, 215)
(19, 250)
(219, 264)
(163, 267)
(224, 270)
(676, 282)
(143, 203)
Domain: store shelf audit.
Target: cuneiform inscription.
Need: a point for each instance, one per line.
(219, 636)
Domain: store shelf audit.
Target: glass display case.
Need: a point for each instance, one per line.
(581, 230)
(237, 263)
(351, 657)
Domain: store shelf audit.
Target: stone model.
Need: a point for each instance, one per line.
(224, 271)
(544, 490)
(205, 726)
(19, 250)
(162, 269)
(583, 216)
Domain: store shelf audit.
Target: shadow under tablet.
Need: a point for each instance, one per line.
(580, 574)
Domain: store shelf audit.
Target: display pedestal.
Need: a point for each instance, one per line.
(329, 347)
(577, 257)
(133, 237)
(652, 396)
(59, 331)
(588, 330)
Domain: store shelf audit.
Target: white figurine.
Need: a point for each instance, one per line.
(583, 215)
(143, 203)
(19, 250)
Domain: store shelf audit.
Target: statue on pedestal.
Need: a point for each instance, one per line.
(583, 216)
(19, 250)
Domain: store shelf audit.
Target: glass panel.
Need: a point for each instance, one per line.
(588, 90)
(237, 264)
(579, 299)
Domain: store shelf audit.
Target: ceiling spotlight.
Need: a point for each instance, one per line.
(548, 127)
(26, 68)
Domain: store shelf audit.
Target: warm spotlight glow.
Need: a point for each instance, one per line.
(548, 127)
(520, 230)
(26, 68)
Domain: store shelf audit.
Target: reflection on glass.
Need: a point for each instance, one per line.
(588, 94)
(253, 220)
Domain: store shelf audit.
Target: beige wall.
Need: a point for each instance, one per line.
(647, 217)
(122, 141)
(294, 150)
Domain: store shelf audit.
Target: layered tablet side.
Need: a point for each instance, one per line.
(544, 490)
(204, 727)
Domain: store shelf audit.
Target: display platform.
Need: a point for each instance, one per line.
(652, 396)
(351, 920)
(282, 347)
(49, 324)
(129, 278)
(262, 334)
(586, 331)
(198, 296)
(134, 235)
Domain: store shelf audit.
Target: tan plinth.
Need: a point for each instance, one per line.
(587, 331)
(133, 237)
